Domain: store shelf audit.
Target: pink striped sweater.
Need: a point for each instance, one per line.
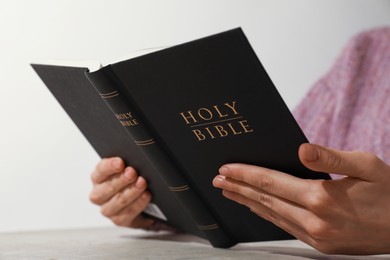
(349, 108)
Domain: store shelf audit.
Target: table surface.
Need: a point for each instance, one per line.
(122, 243)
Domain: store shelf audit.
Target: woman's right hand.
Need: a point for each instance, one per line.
(121, 194)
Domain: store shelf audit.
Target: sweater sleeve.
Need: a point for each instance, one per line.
(315, 112)
(319, 111)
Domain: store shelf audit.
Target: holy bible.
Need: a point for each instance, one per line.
(177, 115)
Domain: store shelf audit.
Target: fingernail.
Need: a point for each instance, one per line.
(218, 180)
(139, 183)
(145, 196)
(311, 153)
(223, 170)
(129, 174)
(117, 163)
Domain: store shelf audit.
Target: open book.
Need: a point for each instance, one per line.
(177, 115)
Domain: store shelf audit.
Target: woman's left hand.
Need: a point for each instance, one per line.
(348, 216)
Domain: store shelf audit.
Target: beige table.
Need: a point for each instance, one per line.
(119, 243)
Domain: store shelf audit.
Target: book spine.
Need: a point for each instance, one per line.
(111, 91)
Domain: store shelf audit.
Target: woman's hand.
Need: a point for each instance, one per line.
(120, 193)
(349, 216)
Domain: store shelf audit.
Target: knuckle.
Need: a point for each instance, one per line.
(271, 216)
(264, 199)
(94, 177)
(267, 214)
(110, 189)
(95, 198)
(318, 230)
(333, 161)
(234, 187)
(325, 247)
(316, 200)
(105, 211)
(118, 220)
(316, 203)
(122, 200)
(265, 183)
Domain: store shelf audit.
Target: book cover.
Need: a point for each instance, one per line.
(191, 108)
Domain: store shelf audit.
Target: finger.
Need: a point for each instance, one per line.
(273, 182)
(251, 196)
(124, 198)
(131, 215)
(106, 168)
(274, 217)
(142, 222)
(360, 165)
(104, 191)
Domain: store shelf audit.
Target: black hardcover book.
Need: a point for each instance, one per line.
(177, 115)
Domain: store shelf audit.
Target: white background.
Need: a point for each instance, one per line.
(45, 162)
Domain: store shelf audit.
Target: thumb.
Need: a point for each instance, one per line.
(354, 164)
